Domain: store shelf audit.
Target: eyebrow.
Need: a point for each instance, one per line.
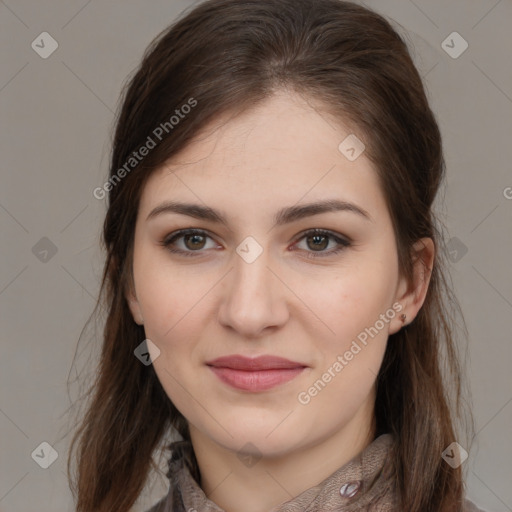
(282, 217)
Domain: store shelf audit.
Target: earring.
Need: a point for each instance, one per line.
(403, 317)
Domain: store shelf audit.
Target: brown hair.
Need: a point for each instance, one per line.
(227, 56)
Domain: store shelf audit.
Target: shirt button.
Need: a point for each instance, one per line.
(350, 489)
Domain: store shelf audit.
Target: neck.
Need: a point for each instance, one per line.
(260, 486)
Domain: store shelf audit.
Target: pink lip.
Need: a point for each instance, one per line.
(255, 374)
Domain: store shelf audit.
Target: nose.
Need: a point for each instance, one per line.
(253, 300)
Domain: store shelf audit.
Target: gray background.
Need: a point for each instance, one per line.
(57, 114)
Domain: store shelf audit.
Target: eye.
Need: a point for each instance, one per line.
(190, 241)
(319, 240)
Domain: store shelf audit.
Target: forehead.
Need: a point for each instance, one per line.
(282, 151)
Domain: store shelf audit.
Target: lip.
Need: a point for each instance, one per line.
(255, 374)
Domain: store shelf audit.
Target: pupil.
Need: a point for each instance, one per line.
(196, 239)
(316, 239)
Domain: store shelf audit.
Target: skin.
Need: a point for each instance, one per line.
(194, 309)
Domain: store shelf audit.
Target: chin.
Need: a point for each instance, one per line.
(269, 437)
(261, 446)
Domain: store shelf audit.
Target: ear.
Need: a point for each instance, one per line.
(411, 295)
(133, 304)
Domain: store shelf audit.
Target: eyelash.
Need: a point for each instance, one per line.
(343, 243)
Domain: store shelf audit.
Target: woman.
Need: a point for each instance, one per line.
(272, 251)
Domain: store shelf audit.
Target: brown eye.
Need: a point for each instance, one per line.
(194, 242)
(317, 242)
(187, 242)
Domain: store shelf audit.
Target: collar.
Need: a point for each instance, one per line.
(367, 478)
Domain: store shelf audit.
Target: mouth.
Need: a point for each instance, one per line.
(255, 374)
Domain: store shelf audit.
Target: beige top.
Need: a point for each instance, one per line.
(365, 484)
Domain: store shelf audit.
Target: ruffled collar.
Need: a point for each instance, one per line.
(366, 479)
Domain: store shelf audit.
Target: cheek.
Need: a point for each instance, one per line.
(174, 313)
(351, 305)
(350, 302)
(168, 296)
(349, 360)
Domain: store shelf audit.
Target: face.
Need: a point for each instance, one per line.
(263, 275)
